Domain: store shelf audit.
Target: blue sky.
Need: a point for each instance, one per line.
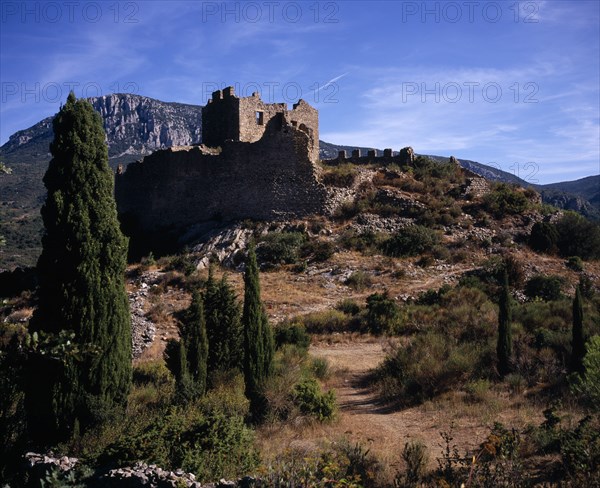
(513, 84)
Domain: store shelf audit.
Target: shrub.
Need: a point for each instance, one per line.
(429, 365)
(575, 263)
(311, 401)
(349, 209)
(342, 176)
(359, 280)
(318, 250)
(320, 368)
(543, 237)
(410, 241)
(280, 248)
(382, 313)
(504, 200)
(348, 306)
(589, 385)
(202, 437)
(416, 457)
(291, 334)
(580, 452)
(362, 242)
(543, 287)
(578, 236)
(478, 391)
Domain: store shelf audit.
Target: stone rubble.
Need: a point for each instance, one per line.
(139, 475)
(143, 330)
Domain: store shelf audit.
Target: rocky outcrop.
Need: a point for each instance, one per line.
(134, 125)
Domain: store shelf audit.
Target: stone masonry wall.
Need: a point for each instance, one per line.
(173, 189)
(229, 118)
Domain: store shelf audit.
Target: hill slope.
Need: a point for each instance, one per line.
(136, 126)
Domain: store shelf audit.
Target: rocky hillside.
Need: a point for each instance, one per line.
(136, 126)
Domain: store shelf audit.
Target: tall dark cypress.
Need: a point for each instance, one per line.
(578, 340)
(258, 337)
(196, 344)
(223, 325)
(81, 279)
(504, 346)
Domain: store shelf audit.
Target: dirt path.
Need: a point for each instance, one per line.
(385, 431)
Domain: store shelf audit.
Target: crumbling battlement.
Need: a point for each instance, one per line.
(227, 117)
(404, 156)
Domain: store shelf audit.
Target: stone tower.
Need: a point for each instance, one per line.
(227, 117)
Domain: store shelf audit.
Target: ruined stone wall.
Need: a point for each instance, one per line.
(227, 117)
(220, 118)
(173, 189)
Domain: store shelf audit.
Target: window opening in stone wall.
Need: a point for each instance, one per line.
(259, 118)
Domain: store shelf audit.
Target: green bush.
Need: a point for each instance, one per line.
(580, 452)
(202, 437)
(543, 237)
(277, 248)
(365, 242)
(416, 457)
(291, 334)
(577, 236)
(505, 200)
(575, 263)
(382, 313)
(342, 176)
(320, 368)
(326, 322)
(429, 365)
(348, 306)
(546, 288)
(410, 241)
(359, 280)
(311, 401)
(589, 385)
(317, 250)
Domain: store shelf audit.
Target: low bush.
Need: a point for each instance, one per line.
(311, 401)
(359, 280)
(578, 236)
(327, 322)
(277, 248)
(543, 237)
(430, 364)
(546, 288)
(342, 176)
(505, 199)
(410, 241)
(575, 263)
(291, 333)
(348, 306)
(383, 314)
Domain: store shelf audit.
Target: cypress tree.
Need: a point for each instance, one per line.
(504, 346)
(196, 344)
(223, 325)
(81, 280)
(258, 337)
(578, 341)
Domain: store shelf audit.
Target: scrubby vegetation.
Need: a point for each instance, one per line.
(450, 285)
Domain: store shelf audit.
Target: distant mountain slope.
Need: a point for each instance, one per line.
(588, 188)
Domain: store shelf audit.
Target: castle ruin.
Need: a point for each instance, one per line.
(227, 117)
(257, 161)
